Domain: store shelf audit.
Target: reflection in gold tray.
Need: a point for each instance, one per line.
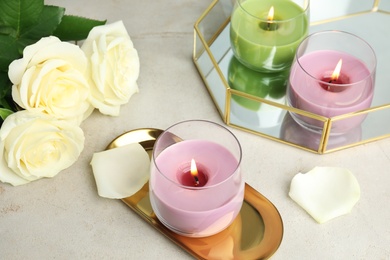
(255, 234)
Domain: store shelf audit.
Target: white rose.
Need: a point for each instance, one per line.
(51, 77)
(113, 67)
(34, 145)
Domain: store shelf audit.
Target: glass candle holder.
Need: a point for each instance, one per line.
(269, 86)
(295, 133)
(200, 201)
(264, 85)
(333, 74)
(265, 34)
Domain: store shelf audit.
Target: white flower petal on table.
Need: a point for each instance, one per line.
(120, 172)
(325, 192)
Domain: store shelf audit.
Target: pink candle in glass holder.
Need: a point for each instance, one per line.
(196, 188)
(332, 80)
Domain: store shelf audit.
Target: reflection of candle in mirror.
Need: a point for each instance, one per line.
(264, 35)
(263, 85)
(313, 88)
(293, 132)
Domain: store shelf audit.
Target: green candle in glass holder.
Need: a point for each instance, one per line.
(265, 34)
(263, 85)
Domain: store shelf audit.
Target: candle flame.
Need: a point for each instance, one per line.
(336, 72)
(270, 16)
(194, 170)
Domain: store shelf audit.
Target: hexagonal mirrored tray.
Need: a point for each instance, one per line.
(270, 118)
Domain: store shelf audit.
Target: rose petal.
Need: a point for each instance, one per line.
(113, 67)
(325, 192)
(122, 171)
(34, 145)
(6, 174)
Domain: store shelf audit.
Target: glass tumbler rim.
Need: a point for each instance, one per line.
(369, 47)
(239, 159)
(305, 9)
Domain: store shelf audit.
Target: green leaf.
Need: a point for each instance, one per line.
(75, 28)
(5, 112)
(5, 86)
(6, 102)
(48, 21)
(8, 51)
(23, 22)
(7, 30)
(20, 14)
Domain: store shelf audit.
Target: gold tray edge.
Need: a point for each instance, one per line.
(248, 191)
(264, 207)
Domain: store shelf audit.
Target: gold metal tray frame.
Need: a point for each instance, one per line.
(212, 54)
(256, 233)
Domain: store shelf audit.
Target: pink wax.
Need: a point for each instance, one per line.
(307, 91)
(196, 211)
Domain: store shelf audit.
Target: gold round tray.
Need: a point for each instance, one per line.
(256, 233)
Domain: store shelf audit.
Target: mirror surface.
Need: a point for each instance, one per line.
(270, 117)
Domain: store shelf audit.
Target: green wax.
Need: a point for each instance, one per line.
(256, 83)
(262, 47)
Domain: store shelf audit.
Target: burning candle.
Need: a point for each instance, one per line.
(270, 25)
(196, 188)
(193, 177)
(259, 84)
(336, 78)
(264, 34)
(333, 75)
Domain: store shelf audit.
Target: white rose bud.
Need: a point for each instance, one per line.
(51, 77)
(113, 67)
(34, 145)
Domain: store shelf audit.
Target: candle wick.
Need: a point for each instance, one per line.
(269, 25)
(196, 180)
(328, 87)
(330, 82)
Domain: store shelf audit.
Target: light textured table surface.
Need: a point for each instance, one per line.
(64, 218)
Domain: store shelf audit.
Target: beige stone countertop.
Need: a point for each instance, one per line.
(64, 218)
